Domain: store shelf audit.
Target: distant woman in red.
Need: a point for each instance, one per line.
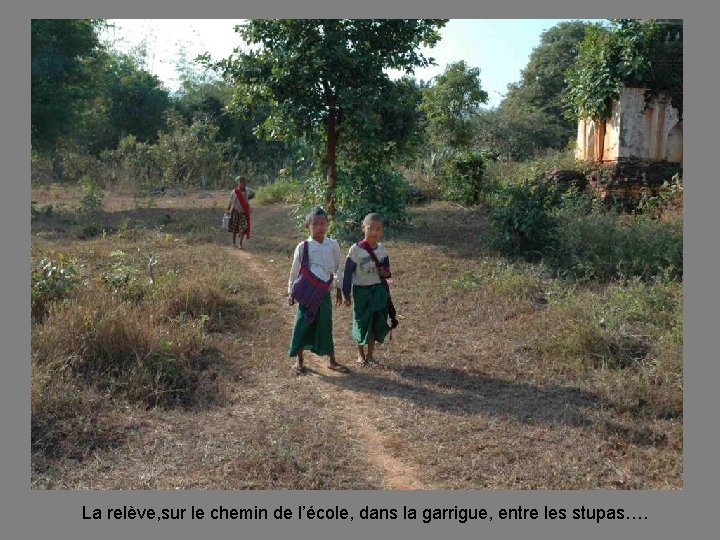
(239, 210)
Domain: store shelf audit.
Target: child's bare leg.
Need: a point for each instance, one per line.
(361, 355)
(299, 366)
(371, 349)
(334, 365)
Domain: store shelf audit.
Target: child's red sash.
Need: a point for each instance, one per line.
(246, 209)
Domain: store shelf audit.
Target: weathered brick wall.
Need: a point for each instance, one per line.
(627, 179)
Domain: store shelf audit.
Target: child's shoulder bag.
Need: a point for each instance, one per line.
(308, 290)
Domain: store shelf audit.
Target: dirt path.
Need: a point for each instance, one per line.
(356, 408)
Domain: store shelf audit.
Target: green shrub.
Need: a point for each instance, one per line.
(53, 276)
(283, 190)
(91, 204)
(579, 237)
(461, 178)
(41, 167)
(368, 188)
(92, 196)
(592, 242)
(136, 163)
(45, 211)
(521, 218)
(363, 189)
(73, 162)
(192, 155)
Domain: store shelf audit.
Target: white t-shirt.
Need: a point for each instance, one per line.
(324, 261)
(366, 272)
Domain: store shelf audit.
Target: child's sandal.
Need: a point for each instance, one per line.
(338, 367)
(298, 370)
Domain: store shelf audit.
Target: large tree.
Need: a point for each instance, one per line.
(326, 76)
(63, 53)
(542, 87)
(137, 99)
(130, 101)
(450, 103)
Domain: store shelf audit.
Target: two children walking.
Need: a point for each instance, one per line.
(360, 282)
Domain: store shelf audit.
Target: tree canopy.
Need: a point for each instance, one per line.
(62, 52)
(539, 95)
(325, 78)
(450, 103)
(632, 52)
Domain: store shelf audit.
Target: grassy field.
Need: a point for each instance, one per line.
(165, 363)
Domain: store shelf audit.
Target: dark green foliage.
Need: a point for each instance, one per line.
(136, 100)
(521, 216)
(461, 178)
(368, 188)
(632, 53)
(363, 189)
(62, 59)
(533, 110)
(389, 130)
(309, 64)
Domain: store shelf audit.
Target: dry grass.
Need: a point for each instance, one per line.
(499, 376)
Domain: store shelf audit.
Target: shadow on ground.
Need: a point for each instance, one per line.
(463, 393)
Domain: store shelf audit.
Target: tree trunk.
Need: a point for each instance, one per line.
(331, 125)
(330, 161)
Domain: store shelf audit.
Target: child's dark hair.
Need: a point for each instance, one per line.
(316, 211)
(372, 216)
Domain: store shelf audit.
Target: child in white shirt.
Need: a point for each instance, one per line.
(313, 325)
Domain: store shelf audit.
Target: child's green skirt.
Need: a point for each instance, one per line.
(370, 313)
(316, 336)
